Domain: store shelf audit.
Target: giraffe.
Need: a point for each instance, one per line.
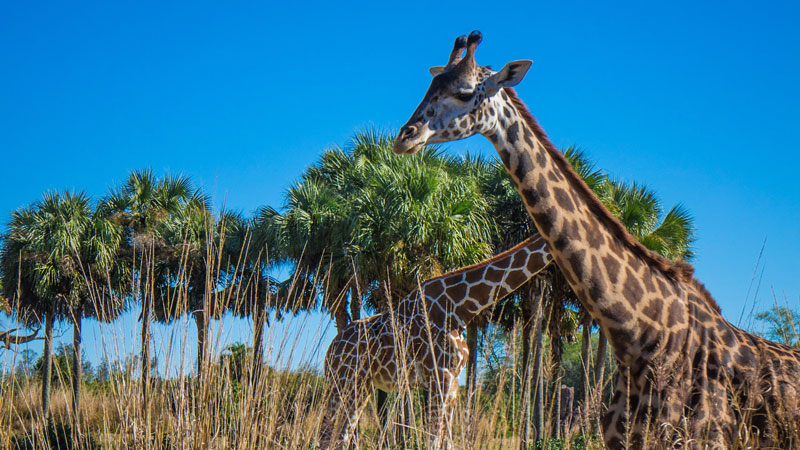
(420, 341)
(687, 377)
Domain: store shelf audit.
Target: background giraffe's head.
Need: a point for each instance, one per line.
(461, 99)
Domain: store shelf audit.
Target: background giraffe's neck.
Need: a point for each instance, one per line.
(455, 298)
(632, 293)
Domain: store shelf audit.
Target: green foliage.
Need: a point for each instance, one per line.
(62, 364)
(782, 325)
(386, 218)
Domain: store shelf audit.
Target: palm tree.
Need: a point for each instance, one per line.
(377, 223)
(144, 206)
(61, 258)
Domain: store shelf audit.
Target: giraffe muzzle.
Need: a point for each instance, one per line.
(410, 139)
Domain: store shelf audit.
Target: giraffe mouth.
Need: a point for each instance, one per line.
(410, 139)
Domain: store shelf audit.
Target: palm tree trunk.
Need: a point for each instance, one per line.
(259, 317)
(538, 368)
(586, 345)
(341, 317)
(599, 372)
(202, 334)
(355, 302)
(77, 369)
(144, 356)
(47, 366)
(528, 324)
(472, 359)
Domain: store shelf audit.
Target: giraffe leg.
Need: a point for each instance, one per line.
(340, 422)
(441, 404)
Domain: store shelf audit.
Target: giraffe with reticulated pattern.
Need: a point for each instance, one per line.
(420, 342)
(687, 377)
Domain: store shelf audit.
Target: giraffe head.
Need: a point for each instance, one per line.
(461, 100)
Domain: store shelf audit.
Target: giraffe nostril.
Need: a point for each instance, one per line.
(409, 132)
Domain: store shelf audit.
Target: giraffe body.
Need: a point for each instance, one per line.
(687, 376)
(420, 343)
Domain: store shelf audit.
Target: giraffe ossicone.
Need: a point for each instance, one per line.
(686, 375)
(420, 342)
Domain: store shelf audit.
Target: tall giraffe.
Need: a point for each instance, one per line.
(420, 342)
(687, 376)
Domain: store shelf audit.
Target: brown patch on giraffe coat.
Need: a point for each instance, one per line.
(493, 275)
(457, 292)
(562, 197)
(576, 263)
(632, 286)
(434, 288)
(675, 314)
(612, 267)
(654, 309)
(471, 276)
(480, 290)
(515, 279)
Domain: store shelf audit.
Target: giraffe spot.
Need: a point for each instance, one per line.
(594, 237)
(493, 275)
(746, 356)
(472, 276)
(576, 262)
(524, 166)
(618, 312)
(433, 289)
(515, 279)
(540, 158)
(664, 288)
(634, 263)
(541, 187)
(647, 279)
(505, 262)
(505, 156)
(528, 136)
(531, 198)
(457, 292)
(491, 111)
(632, 287)
(561, 242)
(513, 133)
(597, 283)
(480, 291)
(612, 267)
(607, 420)
(543, 222)
(563, 198)
(506, 112)
(620, 427)
(674, 314)
(653, 309)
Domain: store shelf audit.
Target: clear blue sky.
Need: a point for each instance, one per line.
(698, 101)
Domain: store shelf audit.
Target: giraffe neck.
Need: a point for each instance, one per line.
(632, 293)
(455, 298)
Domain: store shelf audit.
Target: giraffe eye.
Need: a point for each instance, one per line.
(465, 96)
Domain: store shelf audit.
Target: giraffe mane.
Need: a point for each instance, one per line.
(678, 270)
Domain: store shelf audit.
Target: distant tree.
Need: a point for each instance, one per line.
(783, 325)
(26, 366)
(59, 257)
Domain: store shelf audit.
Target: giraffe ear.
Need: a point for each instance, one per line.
(436, 70)
(509, 76)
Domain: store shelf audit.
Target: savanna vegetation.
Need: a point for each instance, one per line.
(358, 229)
